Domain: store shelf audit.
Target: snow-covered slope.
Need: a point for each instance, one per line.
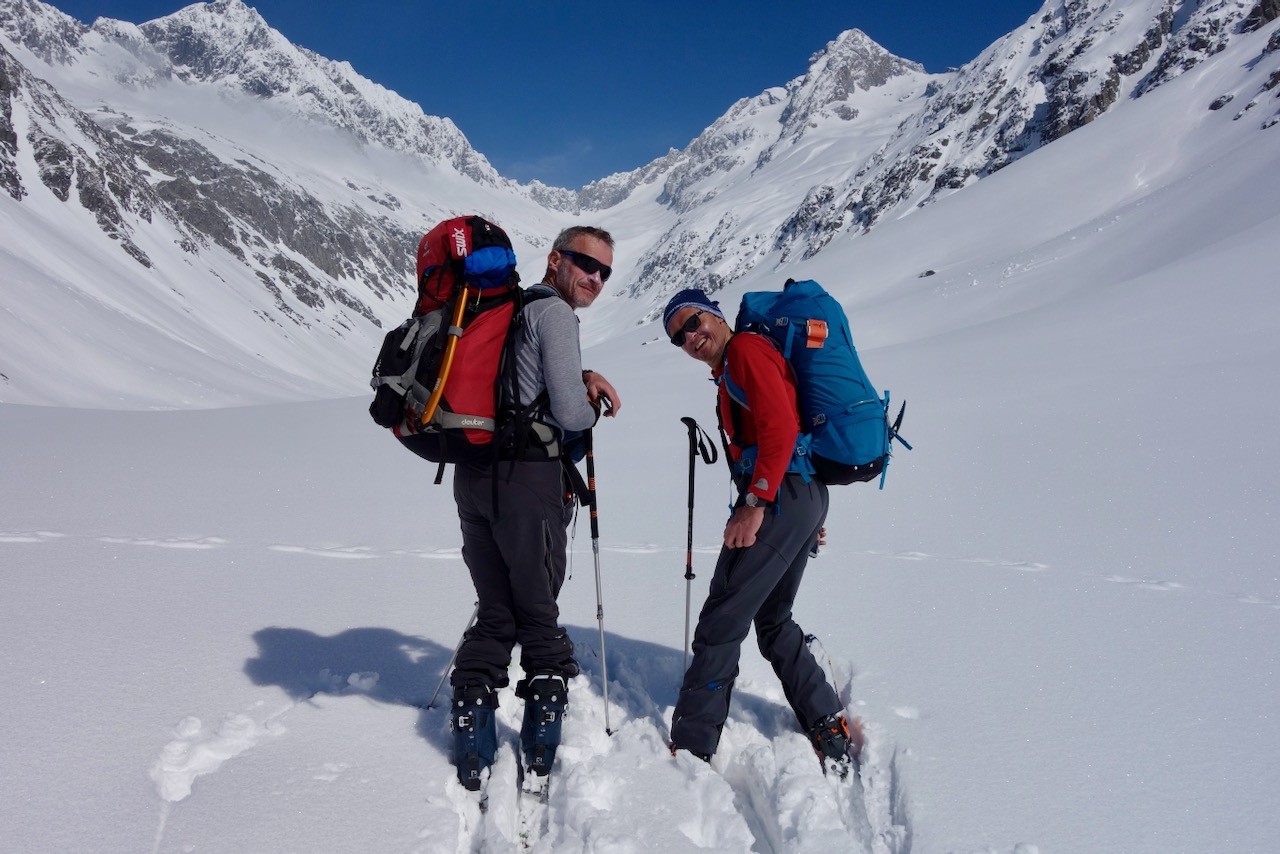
(268, 228)
(1060, 620)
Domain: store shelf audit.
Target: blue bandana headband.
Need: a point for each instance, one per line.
(689, 297)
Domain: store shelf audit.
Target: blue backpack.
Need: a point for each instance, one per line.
(847, 436)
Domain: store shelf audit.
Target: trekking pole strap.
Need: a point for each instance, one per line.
(699, 441)
(700, 444)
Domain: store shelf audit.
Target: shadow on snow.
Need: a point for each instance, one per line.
(390, 667)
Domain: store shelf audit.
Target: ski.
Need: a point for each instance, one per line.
(857, 738)
(533, 792)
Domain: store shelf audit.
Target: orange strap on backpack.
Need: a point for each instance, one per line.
(455, 332)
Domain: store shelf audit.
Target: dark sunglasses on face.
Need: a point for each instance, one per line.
(688, 328)
(588, 265)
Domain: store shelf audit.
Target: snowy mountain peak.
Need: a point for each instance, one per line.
(859, 60)
(850, 63)
(227, 39)
(228, 43)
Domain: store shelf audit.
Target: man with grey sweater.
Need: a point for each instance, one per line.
(515, 515)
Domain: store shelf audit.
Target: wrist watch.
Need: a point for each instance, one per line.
(753, 500)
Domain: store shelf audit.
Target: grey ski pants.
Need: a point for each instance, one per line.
(757, 585)
(517, 561)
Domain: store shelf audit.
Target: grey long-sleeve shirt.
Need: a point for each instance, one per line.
(550, 357)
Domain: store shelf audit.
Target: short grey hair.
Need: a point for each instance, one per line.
(565, 238)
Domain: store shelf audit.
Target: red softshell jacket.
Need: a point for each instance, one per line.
(772, 422)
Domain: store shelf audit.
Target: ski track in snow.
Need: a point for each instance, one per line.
(1018, 565)
(764, 790)
(1144, 583)
(339, 552)
(28, 536)
(197, 543)
(22, 539)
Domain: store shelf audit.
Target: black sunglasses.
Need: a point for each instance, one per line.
(690, 326)
(588, 265)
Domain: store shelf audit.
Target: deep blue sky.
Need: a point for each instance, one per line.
(568, 92)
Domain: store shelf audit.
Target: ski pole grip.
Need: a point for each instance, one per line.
(699, 441)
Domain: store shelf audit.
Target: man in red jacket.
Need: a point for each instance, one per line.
(776, 520)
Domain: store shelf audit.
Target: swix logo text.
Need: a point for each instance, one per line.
(460, 242)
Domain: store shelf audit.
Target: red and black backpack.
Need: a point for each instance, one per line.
(445, 379)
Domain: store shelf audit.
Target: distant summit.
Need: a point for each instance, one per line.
(851, 63)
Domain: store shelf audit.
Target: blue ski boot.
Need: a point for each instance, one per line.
(475, 732)
(545, 700)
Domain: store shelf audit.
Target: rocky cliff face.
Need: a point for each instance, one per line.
(289, 237)
(74, 157)
(10, 178)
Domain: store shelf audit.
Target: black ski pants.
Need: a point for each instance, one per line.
(516, 553)
(757, 585)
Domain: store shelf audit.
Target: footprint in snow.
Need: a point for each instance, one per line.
(197, 750)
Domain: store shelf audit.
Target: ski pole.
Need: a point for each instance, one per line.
(474, 614)
(595, 550)
(708, 452)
